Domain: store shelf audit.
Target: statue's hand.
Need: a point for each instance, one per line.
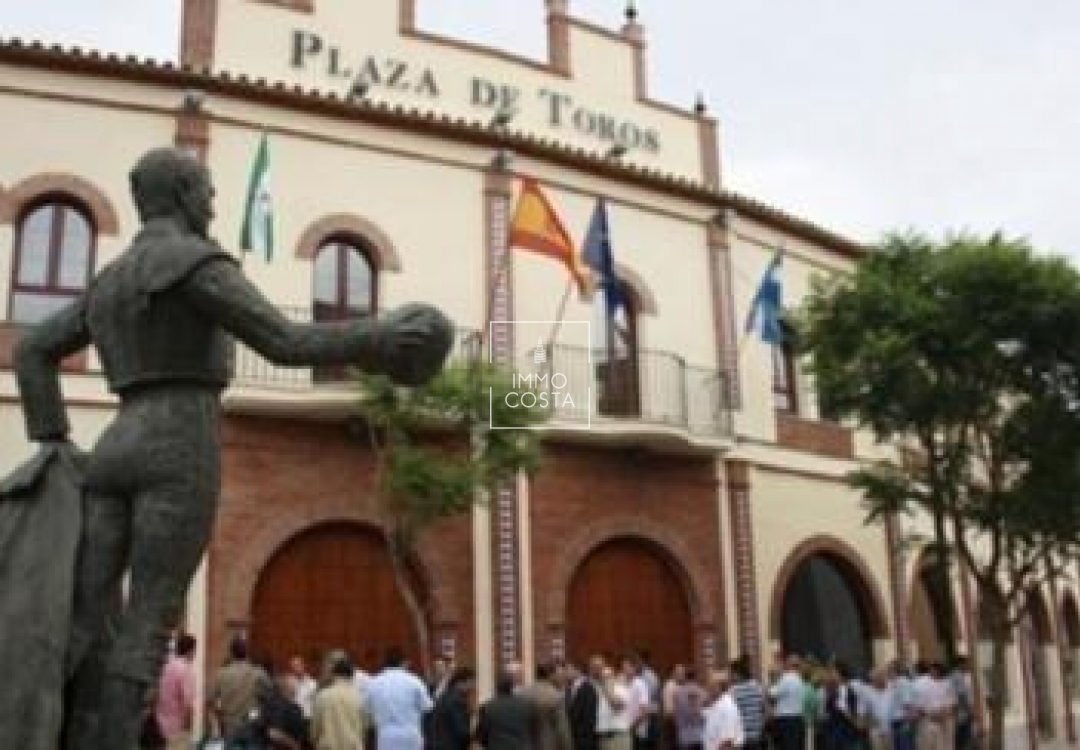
(414, 341)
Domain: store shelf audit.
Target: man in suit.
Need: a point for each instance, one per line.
(552, 725)
(582, 704)
(507, 721)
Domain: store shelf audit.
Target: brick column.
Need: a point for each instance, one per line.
(198, 29)
(742, 551)
(723, 309)
(558, 36)
(504, 507)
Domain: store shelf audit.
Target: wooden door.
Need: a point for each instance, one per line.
(626, 596)
(331, 588)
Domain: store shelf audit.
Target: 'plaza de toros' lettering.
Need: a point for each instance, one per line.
(558, 110)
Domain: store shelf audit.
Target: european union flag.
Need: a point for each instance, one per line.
(767, 307)
(598, 256)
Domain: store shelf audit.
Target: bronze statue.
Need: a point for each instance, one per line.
(161, 317)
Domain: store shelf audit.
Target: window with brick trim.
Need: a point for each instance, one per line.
(53, 258)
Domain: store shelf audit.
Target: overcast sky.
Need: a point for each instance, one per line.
(861, 115)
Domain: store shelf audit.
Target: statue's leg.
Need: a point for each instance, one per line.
(171, 528)
(103, 551)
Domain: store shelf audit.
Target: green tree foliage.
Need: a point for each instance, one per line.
(965, 355)
(436, 456)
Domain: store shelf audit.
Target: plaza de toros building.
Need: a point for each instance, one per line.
(691, 502)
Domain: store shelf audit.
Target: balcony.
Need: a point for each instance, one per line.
(656, 392)
(656, 399)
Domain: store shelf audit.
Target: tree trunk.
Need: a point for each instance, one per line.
(400, 566)
(998, 622)
(939, 572)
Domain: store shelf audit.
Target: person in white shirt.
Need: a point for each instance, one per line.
(615, 706)
(723, 725)
(644, 709)
(937, 704)
(903, 708)
(788, 694)
(876, 702)
(397, 701)
(305, 685)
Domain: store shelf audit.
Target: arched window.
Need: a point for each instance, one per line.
(824, 613)
(345, 287)
(345, 281)
(615, 338)
(53, 258)
(785, 385)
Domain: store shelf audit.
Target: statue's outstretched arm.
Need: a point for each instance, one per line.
(409, 344)
(37, 367)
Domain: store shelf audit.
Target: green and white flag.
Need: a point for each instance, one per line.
(257, 234)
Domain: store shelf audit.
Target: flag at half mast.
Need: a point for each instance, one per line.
(535, 226)
(257, 232)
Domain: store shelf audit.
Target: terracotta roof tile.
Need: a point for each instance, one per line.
(75, 59)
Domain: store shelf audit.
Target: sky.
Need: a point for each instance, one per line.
(863, 116)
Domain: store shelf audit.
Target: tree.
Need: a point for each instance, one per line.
(965, 355)
(436, 458)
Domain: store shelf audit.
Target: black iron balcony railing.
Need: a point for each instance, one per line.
(652, 388)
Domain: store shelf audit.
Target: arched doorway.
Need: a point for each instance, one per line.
(331, 587)
(930, 611)
(627, 595)
(825, 613)
(1038, 636)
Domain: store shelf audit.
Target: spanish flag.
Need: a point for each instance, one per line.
(537, 227)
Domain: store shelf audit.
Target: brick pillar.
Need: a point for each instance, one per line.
(198, 29)
(723, 310)
(898, 585)
(558, 36)
(504, 507)
(742, 551)
(634, 32)
(709, 146)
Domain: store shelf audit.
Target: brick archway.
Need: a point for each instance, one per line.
(863, 584)
(678, 554)
(20, 195)
(260, 547)
(384, 254)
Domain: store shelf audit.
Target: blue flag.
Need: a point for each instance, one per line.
(767, 307)
(598, 256)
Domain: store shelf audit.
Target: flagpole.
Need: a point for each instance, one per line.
(560, 312)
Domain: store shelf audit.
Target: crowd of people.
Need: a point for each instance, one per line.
(596, 705)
